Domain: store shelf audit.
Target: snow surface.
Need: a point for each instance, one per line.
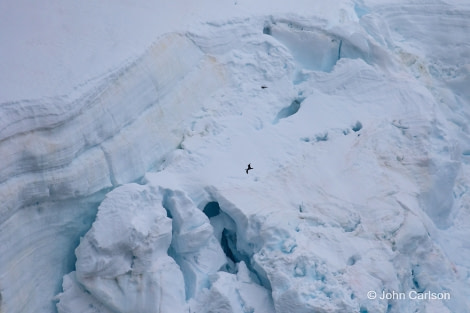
(124, 147)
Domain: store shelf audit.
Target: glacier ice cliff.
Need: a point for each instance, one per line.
(130, 195)
(55, 153)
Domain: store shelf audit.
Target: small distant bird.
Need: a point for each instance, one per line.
(264, 87)
(249, 168)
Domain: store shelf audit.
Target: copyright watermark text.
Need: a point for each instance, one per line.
(411, 295)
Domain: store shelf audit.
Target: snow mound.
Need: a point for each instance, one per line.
(124, 255)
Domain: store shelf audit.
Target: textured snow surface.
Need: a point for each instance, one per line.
(123, 185)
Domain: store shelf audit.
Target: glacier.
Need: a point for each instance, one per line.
(125, 190)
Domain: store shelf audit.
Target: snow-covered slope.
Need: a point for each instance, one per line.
(128, 194)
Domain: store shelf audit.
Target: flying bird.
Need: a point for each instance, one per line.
(264, 87)
(249, 168)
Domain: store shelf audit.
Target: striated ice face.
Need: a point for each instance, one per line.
(131, 194)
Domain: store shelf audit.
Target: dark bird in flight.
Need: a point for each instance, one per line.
(264, 87)
(249, 168)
